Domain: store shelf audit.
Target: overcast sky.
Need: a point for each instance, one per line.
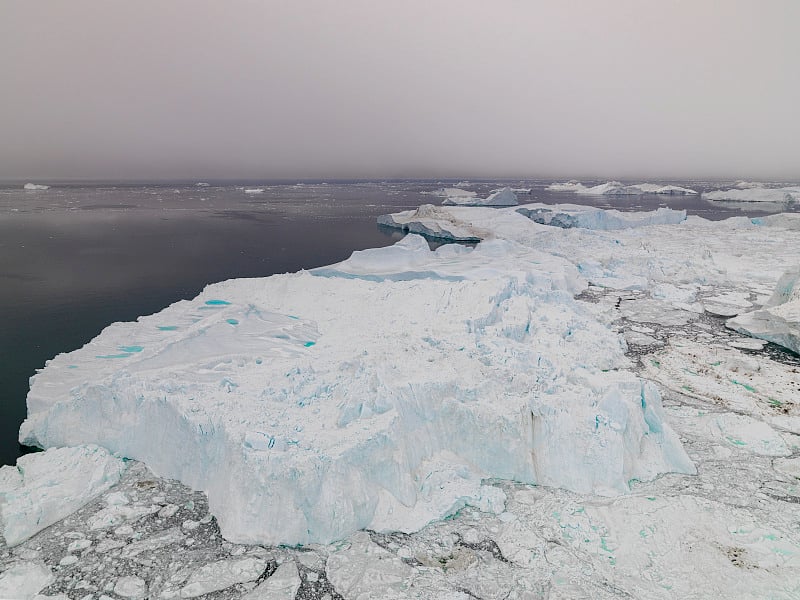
(202, 89)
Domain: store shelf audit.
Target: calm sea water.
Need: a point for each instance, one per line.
(74, 259)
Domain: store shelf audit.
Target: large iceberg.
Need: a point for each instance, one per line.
(616, 188)
(503, 197)
(588, 217)
(756, 193)
(377, 393)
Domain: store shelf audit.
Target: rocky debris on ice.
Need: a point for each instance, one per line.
(616, 188)
(779, 320)
(46, 487)
(785, 195)
(503, 197)
(588, 217)
(35, 187)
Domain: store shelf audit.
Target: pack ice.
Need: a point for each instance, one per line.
(376, 393)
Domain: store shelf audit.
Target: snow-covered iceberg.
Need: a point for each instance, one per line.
(588, 217)
(46, 487)
(754, 193)
(616, 188)
(32, 187)
(433, 222)
(503, 197)
(377, 393)
(779, 320)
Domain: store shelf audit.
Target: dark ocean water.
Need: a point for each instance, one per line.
(74, 259)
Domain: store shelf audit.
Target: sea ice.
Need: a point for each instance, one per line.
(24, 579)
(46, 487)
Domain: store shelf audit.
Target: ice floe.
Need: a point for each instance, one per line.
(46, 487)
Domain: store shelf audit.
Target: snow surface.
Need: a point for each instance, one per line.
(35, 186)
(756, 193)
(503, 197)
(46, 487)
(616, 188)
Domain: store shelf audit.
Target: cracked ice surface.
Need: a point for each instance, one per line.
(307, 414)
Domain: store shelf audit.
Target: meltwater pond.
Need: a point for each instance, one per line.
(74, 259)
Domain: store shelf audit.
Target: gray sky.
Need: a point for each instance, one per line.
(377, 88)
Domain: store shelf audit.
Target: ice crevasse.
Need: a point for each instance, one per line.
(377, 393)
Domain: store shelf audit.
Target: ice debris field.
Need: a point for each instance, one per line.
(559, 411)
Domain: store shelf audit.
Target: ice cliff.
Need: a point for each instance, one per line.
(375, 393)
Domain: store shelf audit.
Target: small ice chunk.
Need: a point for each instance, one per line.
(131, 586)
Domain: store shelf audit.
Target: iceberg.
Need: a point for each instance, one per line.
(568, 186)
(587, 217)
(503, 197)
(779, 320)
(46, 487)
(35, 187)
(616, 188)
(433, 222)
(756, 193)
(253, 190)
(378, 393)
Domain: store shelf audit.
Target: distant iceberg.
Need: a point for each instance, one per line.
(616, 188)
(35, 186)
(450, 192)
(202, 184)
(503, 197)
(785, 195)
(253, 190)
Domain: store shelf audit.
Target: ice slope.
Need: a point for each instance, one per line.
(588, 217)
(46, 487)
(779, 320)
(756, 193)
(503, 197)
(377, 393)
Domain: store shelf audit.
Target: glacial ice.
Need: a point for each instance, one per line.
(46, 487)
(756, 193)
(35, 186)
(327, 415)
(616, 188)
(588, 217)
(503, 197)
(779, 320)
